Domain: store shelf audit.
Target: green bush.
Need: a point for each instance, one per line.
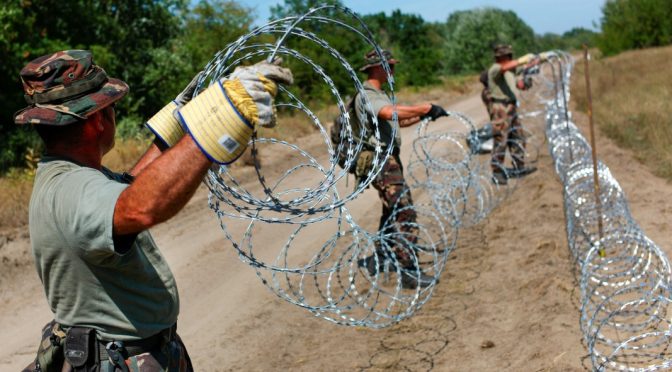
(573, 39)
(131, 127)
(635, 24)
(471, 34)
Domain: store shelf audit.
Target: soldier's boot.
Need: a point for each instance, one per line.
(412, 278)
(521, 171)
(499, 178)
(376, 263)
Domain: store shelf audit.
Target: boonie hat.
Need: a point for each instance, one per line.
(502, 50)
(372, 59)
(64, 87)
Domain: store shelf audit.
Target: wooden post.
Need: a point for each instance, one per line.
(593, 145)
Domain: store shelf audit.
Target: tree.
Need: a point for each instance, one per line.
(350, 46)
(408, 36)
(571, 40)
(299, 7)
(471, 34)
(412, 41)
(211, 25)
(207, 28)
(635, 24)
(123, 35)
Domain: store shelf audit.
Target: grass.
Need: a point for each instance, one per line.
(632, 103)
(17, 185)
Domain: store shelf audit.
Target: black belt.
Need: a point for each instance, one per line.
(137, 347)
(503, 101)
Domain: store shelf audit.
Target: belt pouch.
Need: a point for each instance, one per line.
(80, 344)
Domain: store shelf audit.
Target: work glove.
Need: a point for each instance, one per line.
(524, 60)
(221, 119)
(164, 124)
(544, 56)
(529, 59)
(434, 113)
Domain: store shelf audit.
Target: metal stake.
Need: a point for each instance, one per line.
(593, 145)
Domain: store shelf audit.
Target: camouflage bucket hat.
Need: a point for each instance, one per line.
(502, 50)
(65, 87)
(372, 59)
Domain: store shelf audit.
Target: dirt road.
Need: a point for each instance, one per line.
(506, 302)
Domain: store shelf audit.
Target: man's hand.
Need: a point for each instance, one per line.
(164, 124)
(526, 59)
(545, 56)
(258, 83)
(221, 119)
(434, 113)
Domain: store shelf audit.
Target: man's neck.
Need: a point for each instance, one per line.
(375, 83)
(86, 158)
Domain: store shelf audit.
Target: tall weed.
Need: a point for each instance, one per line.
(16, 187)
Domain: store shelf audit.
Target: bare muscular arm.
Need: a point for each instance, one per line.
(155, 149)
(161, 188)
(509, 65)
(407, 115)
(408, 122)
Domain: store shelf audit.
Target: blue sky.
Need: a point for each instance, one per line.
(543, 16)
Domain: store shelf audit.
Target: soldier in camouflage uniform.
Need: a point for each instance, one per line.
(503, 86)
(390, 184)
(114, 298)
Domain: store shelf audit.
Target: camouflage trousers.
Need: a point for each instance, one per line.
(507, 133)
(396, 198)
(170, 355)
(486, 98)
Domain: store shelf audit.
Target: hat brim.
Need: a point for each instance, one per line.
(74, 110)
(391, 61)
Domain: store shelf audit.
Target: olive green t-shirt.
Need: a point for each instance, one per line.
(378, 99)
(123, 296)
(502, 85)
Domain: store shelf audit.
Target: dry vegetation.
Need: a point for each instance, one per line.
(125, 154)
(632, 103)
(16, 188)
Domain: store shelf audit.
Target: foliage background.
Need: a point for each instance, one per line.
(156, 46)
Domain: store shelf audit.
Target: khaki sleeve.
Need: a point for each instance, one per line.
(494, 71)
(378, 101)
(84, 201)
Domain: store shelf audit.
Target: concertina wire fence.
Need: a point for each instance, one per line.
(304, 200)
(624, 277)
(624, 295)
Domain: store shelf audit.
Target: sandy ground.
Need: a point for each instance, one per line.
(507, 300)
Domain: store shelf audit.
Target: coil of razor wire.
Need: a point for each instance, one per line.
(624, 277)
(315, 257)
(307, 196)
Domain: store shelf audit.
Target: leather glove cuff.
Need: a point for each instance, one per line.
(165, 125)
(217, 127)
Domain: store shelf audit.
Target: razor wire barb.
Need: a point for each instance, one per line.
(314, 260)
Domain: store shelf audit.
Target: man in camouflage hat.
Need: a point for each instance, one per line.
(390, 183)
(114, 298)
(504, 84)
